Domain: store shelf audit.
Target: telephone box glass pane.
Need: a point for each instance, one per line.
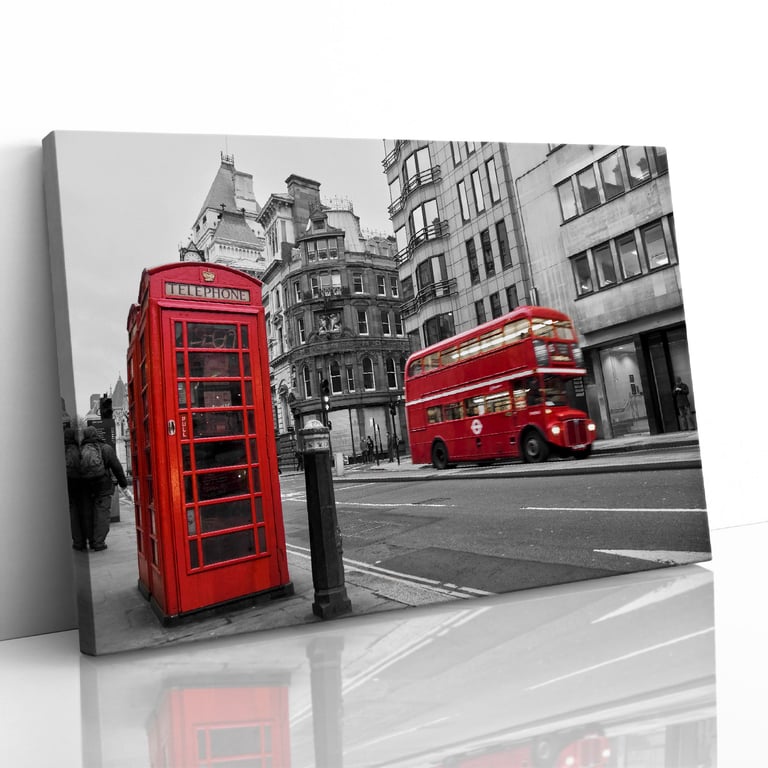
(186, 458)
(229, 514)
(215, 394)
(194, 560)
(244, 330)
(213, 364)
(180, 364)
(228, 546)
(237, 741)
(223, 453)
(262, 539)
(217, 424)
(178, 332)
(256, 480)
(211, 336)
(217, 485)
(191, 525)
(259, 509)
(254, 450)
(246, 364)
(182, 387)
(188, 495)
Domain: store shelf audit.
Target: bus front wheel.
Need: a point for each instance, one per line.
(535, 448)
(439, 455)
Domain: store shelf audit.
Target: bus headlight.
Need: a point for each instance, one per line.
(591, 427)
(555, 429)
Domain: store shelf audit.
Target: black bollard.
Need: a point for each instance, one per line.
(324, 535)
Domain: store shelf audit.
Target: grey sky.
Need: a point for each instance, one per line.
(129, 200)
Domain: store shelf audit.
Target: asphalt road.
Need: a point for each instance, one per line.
(474, 535)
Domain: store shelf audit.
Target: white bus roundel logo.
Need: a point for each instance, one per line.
(476, 426)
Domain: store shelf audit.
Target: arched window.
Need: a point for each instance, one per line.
(391, 373)
(369, 381)
(307, 376)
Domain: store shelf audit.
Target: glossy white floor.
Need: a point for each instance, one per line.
(624, 667)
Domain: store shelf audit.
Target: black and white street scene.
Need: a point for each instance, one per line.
(309, 379)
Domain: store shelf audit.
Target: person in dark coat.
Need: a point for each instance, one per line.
(80, 520)
(683, 405)
(101, 489)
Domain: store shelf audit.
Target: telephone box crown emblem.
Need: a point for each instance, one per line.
(208, 276)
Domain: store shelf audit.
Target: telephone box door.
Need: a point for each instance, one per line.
(227, 529)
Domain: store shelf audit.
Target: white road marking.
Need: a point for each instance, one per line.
(623, 658)
(615, 509)
(678, 557)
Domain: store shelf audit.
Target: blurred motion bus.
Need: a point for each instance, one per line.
(502, 390)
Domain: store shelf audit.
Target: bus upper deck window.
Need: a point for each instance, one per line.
(565, 330)
(515, 331)
(542, 327)
(449, 356)
(431, 362)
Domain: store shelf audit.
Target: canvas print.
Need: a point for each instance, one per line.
(306, 379)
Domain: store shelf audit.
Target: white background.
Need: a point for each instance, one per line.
(691, 78)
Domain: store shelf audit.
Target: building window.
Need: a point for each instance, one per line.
(474, 272)
(493, 181)
(471, 146)
(297, 291)
(394, 190)
(456, 152)
(423, 220)
(588, 188)
(501, 237)
(386, 328)
(485, 245)
(362, 322)
(655, 246)
(582, 274)
(415, 165)
(401, 241)
(606, 272)
(301, 330)
(322, 250)
(567, 199)
(660, 159)
(369, 382)
(477, 191)
(391, 373)
(350, 378)
(394, 287)
(381, 285)
(311, 251)
(495, 305)
(480, 312)
(333, 248)
(612, 175)
(438, 328)
(629, 259)
(407, 286)
(512, 300)
(463, 200)
(398, 324)
(335, 375)
(307, 378)
(637, 165)
(357, 282)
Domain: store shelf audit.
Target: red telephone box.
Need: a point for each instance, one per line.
(209, 524)
(209, 727)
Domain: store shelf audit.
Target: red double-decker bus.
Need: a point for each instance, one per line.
(502, 390)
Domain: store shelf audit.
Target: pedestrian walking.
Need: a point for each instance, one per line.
(364, 449)
(683, 405)
(369, 443)
(80, 519)
(98, 464)
(391, 447)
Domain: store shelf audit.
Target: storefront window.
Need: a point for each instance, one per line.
(623, 389)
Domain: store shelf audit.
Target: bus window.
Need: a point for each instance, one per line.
(469, 349)
(515, 331)
(452, 411)
(498, 402)
(542, 327)
(527, 392)
(556, 391)
(415, 368)
(434, 414)
(565, 330)
(431, 362)
(490, 341)
(474, 406)
(449, 356)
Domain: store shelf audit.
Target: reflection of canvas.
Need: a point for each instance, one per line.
(226, 355)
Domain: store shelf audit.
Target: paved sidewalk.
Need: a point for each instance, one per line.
(607, 456)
